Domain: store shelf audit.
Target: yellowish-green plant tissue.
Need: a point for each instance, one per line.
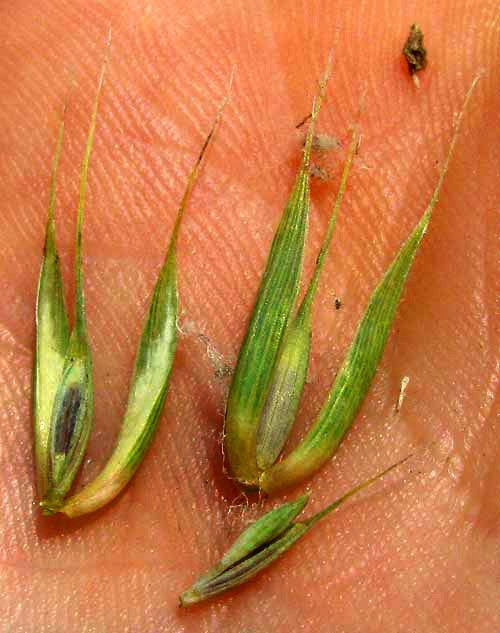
(264, 395)
(272, 365)
(153, 365)
(262, 543)
(63, 387)
(63, 393)
(267, 384)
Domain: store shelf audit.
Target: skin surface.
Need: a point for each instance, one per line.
(419, 552)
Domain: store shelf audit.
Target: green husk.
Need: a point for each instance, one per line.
(290, 371)
(258, 546)
(265, 530)
(275, 301)
(150, 379)
(356, 374)
(52, 335)
(72, 407)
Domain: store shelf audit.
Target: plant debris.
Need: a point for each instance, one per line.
(415, 53)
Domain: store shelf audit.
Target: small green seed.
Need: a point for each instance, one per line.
(244, 570)
(262, 543)
(268, 528)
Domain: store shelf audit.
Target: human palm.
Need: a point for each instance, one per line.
(420, 551)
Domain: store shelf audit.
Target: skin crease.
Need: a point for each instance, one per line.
(418, 552)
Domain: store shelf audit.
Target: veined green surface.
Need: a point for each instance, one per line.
(356, 374)
(52, 335)
(146, 398)
(275, 301)
(265, 530)
(290, 371)
(262, 543)
(245, 570)
(73, 404)
(353, 380)
(151, 376)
